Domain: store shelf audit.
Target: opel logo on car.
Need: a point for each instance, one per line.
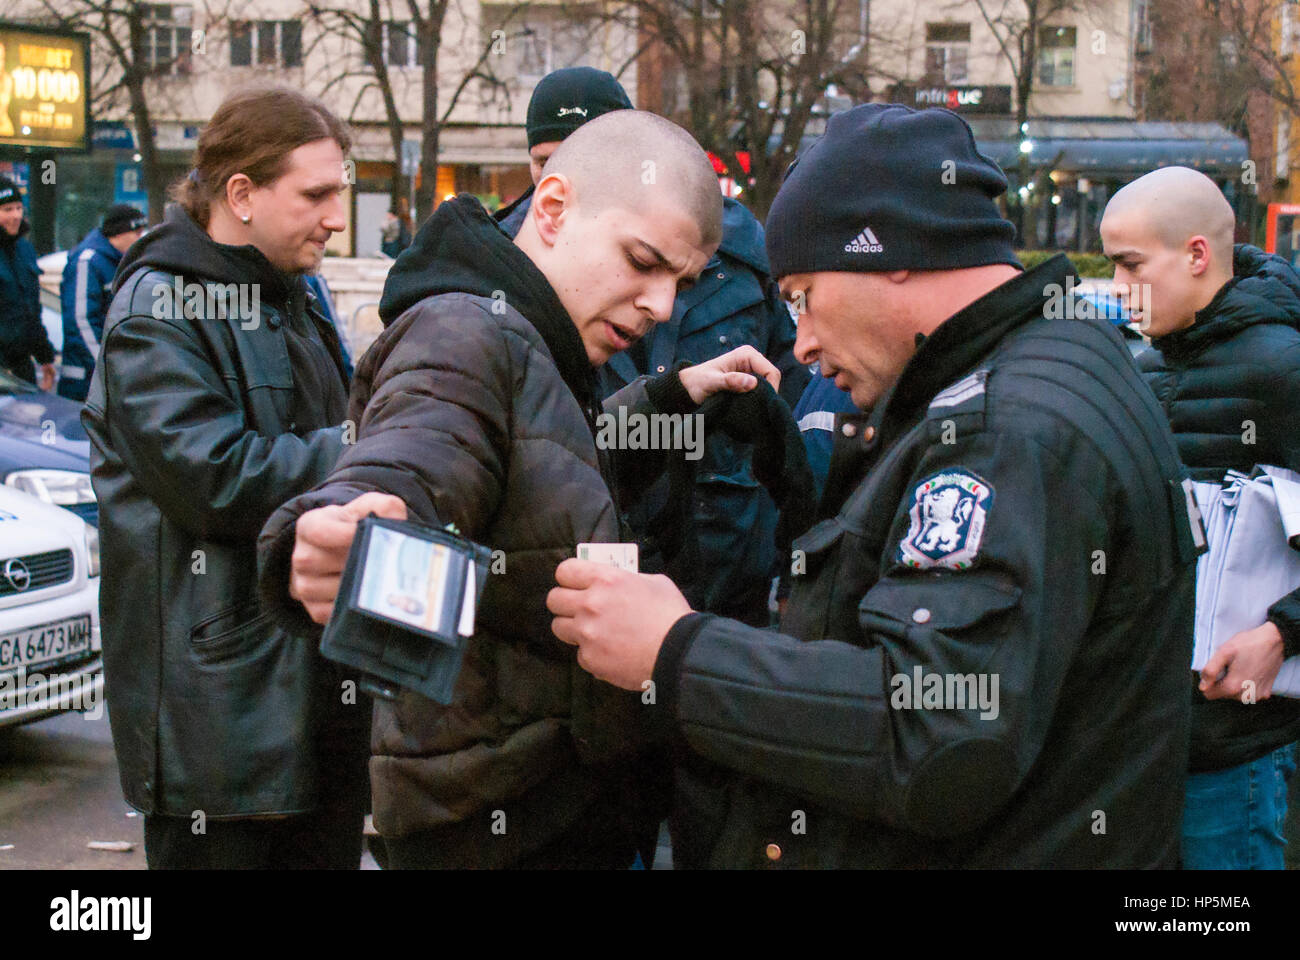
(17, 575)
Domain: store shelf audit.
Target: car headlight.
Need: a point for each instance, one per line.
(60, 487)
(92, 550)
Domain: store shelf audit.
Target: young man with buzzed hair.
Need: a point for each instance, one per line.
(1224, 324)
(477, 406)
(713, 527)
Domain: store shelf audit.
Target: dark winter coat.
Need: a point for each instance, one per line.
(22, 335)
(477, 406)
(967, 516)
(1230, 386)
(201, 423)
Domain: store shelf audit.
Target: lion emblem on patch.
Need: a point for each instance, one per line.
(948, 512)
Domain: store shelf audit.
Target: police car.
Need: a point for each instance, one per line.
(50, 656)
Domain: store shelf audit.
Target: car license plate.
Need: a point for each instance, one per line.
(49, 643)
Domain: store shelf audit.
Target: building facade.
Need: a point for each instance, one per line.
(490, 56)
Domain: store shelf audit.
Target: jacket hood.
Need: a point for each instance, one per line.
(1264, 289)
(742, 236)
(180, 246)
(460, 249)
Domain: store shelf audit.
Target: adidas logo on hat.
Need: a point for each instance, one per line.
(864, 242)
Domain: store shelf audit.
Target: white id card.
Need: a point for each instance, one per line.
(620, 555)
(405, 579)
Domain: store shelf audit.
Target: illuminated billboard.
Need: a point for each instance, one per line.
(43, 95)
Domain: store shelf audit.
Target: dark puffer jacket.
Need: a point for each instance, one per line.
(1230, 385)
(477, 406)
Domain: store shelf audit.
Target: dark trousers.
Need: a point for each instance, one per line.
(321, 840)
(327, 838)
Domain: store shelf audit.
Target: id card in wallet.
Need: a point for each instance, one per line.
(407, 603)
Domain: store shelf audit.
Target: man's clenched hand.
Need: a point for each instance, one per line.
(1251, 659)
(616, 619)
(322, 539)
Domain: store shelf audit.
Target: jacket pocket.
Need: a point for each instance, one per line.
(223, 638)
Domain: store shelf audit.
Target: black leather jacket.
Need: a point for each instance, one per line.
(197, 435)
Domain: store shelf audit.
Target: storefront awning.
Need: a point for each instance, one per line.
(1103, 146)
(1120, 147)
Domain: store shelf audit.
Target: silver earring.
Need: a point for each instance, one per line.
(245, 218)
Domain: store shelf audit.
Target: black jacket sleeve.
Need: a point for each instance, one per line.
(434, 432)
(825, 719)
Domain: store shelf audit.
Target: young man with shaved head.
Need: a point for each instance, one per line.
(982, 660)
(477, 406)
(1224, 363)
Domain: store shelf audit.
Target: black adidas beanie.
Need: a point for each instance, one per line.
(564, 100)
(890, 188)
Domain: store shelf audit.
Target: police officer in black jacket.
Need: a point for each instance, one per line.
(983, 660)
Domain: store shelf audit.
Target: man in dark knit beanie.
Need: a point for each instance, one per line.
(983, 660)
(562, 101)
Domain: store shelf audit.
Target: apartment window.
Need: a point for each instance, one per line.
(399, 45)
(397, 41)
(1142, 25)
(946, 49)
(1056, 56)
(166, 41)
(268, 43)
(537, 39)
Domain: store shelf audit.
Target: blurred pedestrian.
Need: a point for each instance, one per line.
(396, 233)
(22, 335)
(86, 291)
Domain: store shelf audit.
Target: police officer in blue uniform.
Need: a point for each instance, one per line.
(86, 291)
(983, 660)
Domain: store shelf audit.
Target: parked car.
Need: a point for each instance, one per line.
(44, 451)
(50, 654)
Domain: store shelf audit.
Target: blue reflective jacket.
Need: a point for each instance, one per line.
(86, 292)
(815, 415)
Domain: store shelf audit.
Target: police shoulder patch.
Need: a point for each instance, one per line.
(948, 511)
